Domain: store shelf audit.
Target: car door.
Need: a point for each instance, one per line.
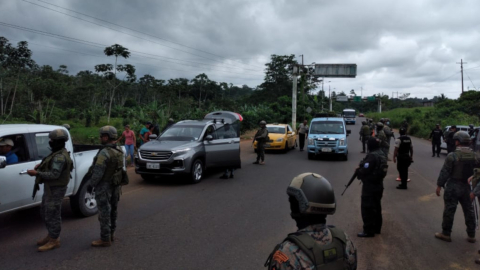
(291, 137)
(229, 142)
(15, 185)
(212, 147)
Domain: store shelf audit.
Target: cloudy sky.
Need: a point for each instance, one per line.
(409, 46)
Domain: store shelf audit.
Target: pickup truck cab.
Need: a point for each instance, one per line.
(31, 146)
(327, 136)
(192, 146)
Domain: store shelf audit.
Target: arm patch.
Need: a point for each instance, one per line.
(280, 257)
(59, 158)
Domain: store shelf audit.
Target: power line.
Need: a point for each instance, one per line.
(129, 33)
(471, 80)
(94, 44)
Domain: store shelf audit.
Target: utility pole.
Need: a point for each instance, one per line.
(330, 97)
(461, 69)
(294, 98)
(302, 85)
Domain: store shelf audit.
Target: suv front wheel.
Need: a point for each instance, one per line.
(197, 171)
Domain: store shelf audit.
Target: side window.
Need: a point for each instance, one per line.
(41, 140)
(17, 153)
(210, 131)
(226, 132)
(289, 128)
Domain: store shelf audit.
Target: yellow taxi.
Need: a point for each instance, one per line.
(282, 137)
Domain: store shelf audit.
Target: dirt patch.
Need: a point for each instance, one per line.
(248, 135)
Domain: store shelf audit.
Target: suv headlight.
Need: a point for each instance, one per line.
(181, 150)
(342, 142)
(310, 141)
(279, 140)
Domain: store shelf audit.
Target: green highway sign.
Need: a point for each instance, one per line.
(357, 98)
(371, 98)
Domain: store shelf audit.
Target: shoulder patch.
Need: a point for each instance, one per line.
(280, 257)
(59, 158)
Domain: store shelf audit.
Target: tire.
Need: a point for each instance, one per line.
(83, 203)
(345, 157)
(148, 177)
(196, 173)
(286, 148)
(311, 156)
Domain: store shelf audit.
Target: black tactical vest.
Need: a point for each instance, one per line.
(404, 148)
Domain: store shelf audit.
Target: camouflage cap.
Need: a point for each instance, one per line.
(58, 134)
(110, 131)
(379, 124)
(67, 126)
(462, 137)
(263, 122)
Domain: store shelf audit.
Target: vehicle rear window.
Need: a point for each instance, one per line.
(327, 127)
(278, 130)
(182, 133)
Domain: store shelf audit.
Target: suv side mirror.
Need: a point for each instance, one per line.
(349, 132)
(3, 162)
(209, 137)
(152, 136)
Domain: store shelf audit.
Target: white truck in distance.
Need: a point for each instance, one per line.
(31, 146)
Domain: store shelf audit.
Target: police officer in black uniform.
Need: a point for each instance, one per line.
(371, 172)
(449, 140)
(404, 154)
(436, 136)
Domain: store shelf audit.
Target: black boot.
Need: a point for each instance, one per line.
(364, 234)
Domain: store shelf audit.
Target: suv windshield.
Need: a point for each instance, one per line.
(349, 114)
(327, 127)
(182, 133)
(278, 130)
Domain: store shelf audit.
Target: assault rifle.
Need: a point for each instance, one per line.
(351, 181)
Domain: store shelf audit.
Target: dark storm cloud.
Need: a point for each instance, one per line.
(405, 46)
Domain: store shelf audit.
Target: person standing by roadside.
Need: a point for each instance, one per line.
(404, 154)
(388, 132)
(105, 178)
(474, 182)
(383, 139)
(449, 140)
(130, 140)
(54, 174)
(146, 136)
(302, 131)
(261, 137)
(456, 170)
(365, 134)
(144, 130)
(405, 125)
(436, 136)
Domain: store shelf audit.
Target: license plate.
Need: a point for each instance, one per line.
(154, 166)
(326, 149)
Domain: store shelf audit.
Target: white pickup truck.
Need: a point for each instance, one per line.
(31, 146)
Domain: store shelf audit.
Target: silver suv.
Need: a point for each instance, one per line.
(192, 146)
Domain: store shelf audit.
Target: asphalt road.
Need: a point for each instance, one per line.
(235, 223)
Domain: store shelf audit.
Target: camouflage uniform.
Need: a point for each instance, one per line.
(457, 168)
(261, 137)
(383, 141)
(106, 194)
(389, 133)
(290, 256)
(365, 133)
(372, 128)
(54, 173)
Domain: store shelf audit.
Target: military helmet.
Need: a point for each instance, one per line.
(370, 120)
(379, 124)
(382, 120)
(58, 134)
(471, 125)
(110, 131)
(462, 137)
(67, 126)
(364, 122)
(402, 131)
(263, 122)
(314, 194)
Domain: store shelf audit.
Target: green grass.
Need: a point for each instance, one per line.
(422, 120)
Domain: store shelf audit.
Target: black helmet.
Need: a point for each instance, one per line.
(110, 131)
(462, 137)
(402, 131)
(373, 144)
(382, 120)
(314, 194)
(58, 134)
(471, 125)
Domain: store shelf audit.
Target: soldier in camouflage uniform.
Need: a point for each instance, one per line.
(372, 127)
(107, 164)
(54, 174)
(315, 245)
(383, 139)
(365, 134)
(261, 138)
(388, 132)
(456, 170)
(371, 172)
